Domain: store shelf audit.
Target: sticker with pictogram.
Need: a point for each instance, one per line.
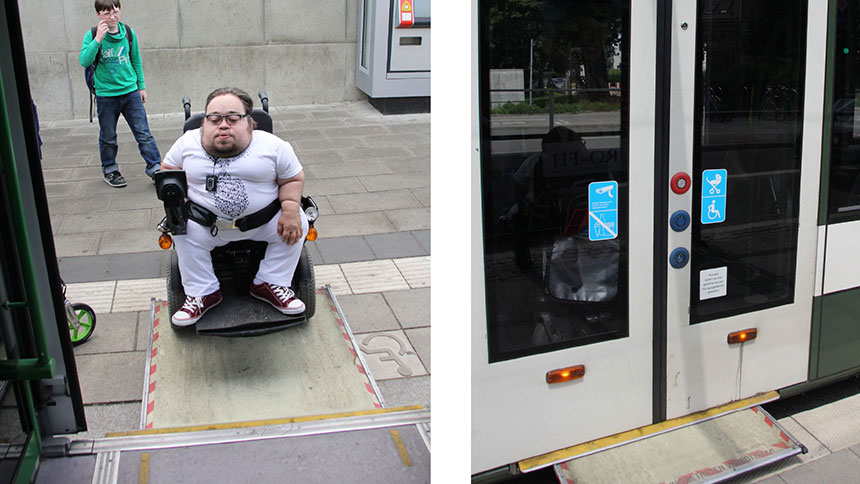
(406, 15)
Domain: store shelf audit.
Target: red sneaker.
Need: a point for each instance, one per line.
(281, 297)
(194, 308)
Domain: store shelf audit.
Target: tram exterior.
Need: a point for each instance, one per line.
(665, 202)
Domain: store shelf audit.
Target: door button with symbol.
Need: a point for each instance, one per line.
(679, 257)
(679, 221)
(680, 183)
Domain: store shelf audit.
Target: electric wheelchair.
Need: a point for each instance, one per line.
(236, 263)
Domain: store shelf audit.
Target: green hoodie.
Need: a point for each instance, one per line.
(119, 70)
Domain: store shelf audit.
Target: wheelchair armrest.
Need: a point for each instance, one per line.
(308, 203)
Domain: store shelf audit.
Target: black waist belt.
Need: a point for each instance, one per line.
(206, 218)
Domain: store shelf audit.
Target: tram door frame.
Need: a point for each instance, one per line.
(648, 376)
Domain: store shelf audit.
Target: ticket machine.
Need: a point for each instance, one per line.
(392, 63)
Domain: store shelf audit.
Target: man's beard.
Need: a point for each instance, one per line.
(225, 151)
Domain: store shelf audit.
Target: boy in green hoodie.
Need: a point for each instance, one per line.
(120, 89)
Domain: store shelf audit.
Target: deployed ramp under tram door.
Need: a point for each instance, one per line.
(709, 446)
(254, 388)
(384, 445)
(310, 369)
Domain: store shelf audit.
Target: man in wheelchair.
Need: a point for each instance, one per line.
(241, 184)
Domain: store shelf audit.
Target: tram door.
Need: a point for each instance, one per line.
(563, 257)
(747, 86)
(571, 226)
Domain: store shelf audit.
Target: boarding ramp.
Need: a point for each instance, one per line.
(706, 447)
(296, 405)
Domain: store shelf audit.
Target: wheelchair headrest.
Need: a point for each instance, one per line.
(264, 121)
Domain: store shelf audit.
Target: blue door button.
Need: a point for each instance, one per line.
(679, 221)
(679, 257)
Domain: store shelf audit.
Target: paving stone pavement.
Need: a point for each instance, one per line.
(370, 176)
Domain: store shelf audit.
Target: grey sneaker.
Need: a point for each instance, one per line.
(115, 179)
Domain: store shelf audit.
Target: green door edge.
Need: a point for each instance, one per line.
(826, 141)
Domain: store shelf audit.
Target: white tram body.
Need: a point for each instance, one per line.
(727, 132)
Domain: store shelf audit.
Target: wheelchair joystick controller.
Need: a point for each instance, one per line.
(171, 188)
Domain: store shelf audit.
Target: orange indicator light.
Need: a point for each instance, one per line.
(312, 234)
(743, 335)
(165, 241)
(565, 374)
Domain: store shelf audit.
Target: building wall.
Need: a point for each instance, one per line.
(507, 79)
(298, 51)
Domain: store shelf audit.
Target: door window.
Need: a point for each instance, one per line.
(748, 122)
(844, 186)
(554, 165)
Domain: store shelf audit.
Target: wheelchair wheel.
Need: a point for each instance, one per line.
(85, 326)
(304, 283)
(175, 292)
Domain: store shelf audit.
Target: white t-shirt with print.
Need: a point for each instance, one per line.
(246, 182)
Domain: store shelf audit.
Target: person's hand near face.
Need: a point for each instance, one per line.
(102, 30)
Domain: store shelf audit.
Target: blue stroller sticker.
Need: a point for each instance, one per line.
(714, 196)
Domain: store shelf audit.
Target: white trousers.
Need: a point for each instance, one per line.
(195, 261)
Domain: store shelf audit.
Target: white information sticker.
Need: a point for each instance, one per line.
(712, 283)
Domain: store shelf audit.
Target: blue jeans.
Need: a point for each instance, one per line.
(131, 108)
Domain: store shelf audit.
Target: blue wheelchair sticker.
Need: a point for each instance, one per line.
(714, 196)
(602, 210)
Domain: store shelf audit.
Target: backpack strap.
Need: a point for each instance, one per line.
(130, 35)
(93, 35)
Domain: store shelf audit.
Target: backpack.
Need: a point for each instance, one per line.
(90, 70)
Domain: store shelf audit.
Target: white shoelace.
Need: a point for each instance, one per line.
(192, 304)
(283, 293)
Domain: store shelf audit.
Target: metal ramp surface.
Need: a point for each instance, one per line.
(705, 447)
(383, 445)
(309, 369)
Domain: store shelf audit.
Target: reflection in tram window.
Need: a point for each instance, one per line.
(844, 186)
(555, 121)
(749, 122)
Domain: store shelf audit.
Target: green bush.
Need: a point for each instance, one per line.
(518, 108)
(540, 105)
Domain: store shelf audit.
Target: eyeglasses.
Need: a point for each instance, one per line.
(232, 118)
(110, 13)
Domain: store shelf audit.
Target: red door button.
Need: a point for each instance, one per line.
(680, 183)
